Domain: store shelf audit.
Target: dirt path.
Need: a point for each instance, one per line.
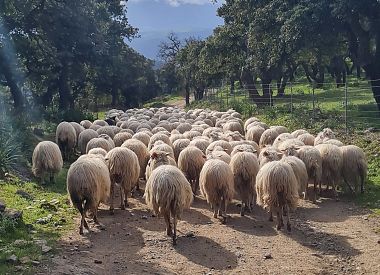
(328, 238)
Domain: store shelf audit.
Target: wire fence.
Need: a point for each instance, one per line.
(352, 104)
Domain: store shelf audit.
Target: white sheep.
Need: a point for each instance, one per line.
(66, 138)
(354, 167)
(268, 137)
(141, 152)
(168, 193)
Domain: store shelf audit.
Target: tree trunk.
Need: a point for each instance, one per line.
(187, 96)
(267, 90)
(18, 98)
(281, 84)
(249, 84)
(64, 89)
(114, 94)
(232, 86)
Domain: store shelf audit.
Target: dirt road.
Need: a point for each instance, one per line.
(328, 237)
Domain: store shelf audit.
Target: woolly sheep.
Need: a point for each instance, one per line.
(217, 186)
(249, 121)
(254, 133)
(307, 139)
(78, 128)
(281, 138)
(66, 138)
(120, 138)
(178, 146)
(299, 132)
(88, 184)
(334, 142)
(233, 126)
(332, 161)
(99, 122)
(95, 127)
(326, 134)
(86, 124)
(219, 153)
(221, 143)
(244, 166)
(294, 142)
(299, 169)
(157, 159)
(183, 127)
(108, 138)
(168, 193)
(191, 134)
(201, 144)
(106, 130)
(268, 154)
(276, 188)
(190, 162)
(280, 129)
(268, 137)
(125, 171)
(354, 167)
(157, 137)
(143, 137)
(141, 152)
(98, 151)
(244, 148)
(98, 143)
(162, 146)
(46, 159)
(84, 138)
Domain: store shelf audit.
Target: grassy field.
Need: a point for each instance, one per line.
(46, 216)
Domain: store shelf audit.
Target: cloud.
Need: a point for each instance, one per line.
(176, 3)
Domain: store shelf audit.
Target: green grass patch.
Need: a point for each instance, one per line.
(162, 101)
(49, 203)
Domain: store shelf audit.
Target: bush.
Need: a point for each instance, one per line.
(7, 225)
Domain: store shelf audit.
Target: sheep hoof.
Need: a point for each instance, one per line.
(288, 227)
(174, 241)
(112, 212)
(122, 207)
(81, 231)
(224, 220)
(270, 219)
(279, 227)
(215, 216)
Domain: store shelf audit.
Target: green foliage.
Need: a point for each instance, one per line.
(7, 225)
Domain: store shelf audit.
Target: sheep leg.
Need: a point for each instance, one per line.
(224, 202)
(112, 195)
(270, 216)
(168, 225)
(83, 222)
(280, 222)
(362, 180)
(126, 197)
(284, 211)
(215, 208)
(174, 229)
(122, 198)
(242, 208)
(335, 193)
(288, 226)
(96, 221)
(315, 191)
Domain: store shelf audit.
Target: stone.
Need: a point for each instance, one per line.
(45, 249)
(25, 260)
(13, 214)
(267, 256)
(24, 194)
(98, 261)
(20, 242)
(190, 235)
(35, 263)
(12, 259)
(45, 220)
(144, 217)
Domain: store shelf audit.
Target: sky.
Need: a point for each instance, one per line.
(156, 18)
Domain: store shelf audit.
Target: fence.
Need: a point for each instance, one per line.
(352, 104)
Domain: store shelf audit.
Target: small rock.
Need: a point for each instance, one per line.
(98, 261)
(24, 194)
(13, 214)
(20, 242)
(35, 263)
(45, 249)
(378, 242)
(190, 235)
(48, 206)
(268, 256)
(316, 255)
(144, 217)
(45, 220)
(25, 260)
(12, 259)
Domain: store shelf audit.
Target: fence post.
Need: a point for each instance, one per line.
(291, 97)
(227, 97)
(345, 105)
(270, 95)
(313, 101)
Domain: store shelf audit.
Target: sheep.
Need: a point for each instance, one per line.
(249, 121)
(191, 134)
(78, 128)
(46, 159)
(98, 143)
(106, 130)
(294, 142)
(95, 127)
(178, 146)
(233, 136)
(108, 138)
(100, 122)
(88, 184)
(244, 148)
(183, 127)
(281, 138)
(156, 159)
(168, 193)
(277, 190)
(334, 142)
(299, 169)
(299, 132)
(258, 123)
(162, 146)
(268, 137)
(86, 124)
(190, 162)
(217, 186)
(141, 152)
(254, 133)
(280, 129)
(219, 153)
(84, 138)
(268, 154)
(156, 137)
(98, 151)
(313, 163)
(244, 166)
(332, 160)
(143, 137)
(221, 143)
(66, 138)
(307, 139)
(201, 144)
(119, 138)
(326, 134)
(125, 170)
(354, 167)
(233, 126)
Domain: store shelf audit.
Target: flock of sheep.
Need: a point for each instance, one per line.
(179, 152)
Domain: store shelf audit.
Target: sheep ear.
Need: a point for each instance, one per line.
(265, 154)
(240, 150)
(280, 154)
(154, 155)
(254, 151)
(204, 156)
(167, 154)
(297, 147)
(225, 150)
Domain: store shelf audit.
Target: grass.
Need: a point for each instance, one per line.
(47, 200)
(162, 101)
